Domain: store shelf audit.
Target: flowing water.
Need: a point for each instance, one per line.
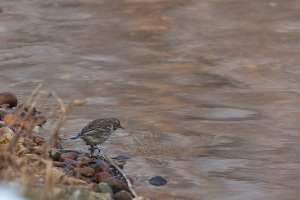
(208, 90)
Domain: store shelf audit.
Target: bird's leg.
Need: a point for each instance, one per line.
(98, 149)
(92, 150)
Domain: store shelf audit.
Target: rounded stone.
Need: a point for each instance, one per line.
(100, 177)
(54, 154)
(70, 155)
(122, 195)
(69, 162)
(39, 140)
(102, 167)
(8, 98)
(157, 181)
(37, 130)
(86, 171)
(116, 184)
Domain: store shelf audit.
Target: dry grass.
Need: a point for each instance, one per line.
(35, 174)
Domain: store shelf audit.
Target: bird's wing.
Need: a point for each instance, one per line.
(98, 124)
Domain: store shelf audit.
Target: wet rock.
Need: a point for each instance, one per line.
(122, 195)
(86, 171)
(54, 154)
(39, 140)
(157, 181)
(122, 158)
(100, 177)
(69, 162)
(8, 98)
(70, 155)
(116, 184)
(13, 119)
(58, 164)
(102, 167)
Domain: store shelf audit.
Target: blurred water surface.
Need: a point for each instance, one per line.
(208, 91)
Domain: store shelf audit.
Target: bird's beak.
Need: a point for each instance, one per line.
(121, 127)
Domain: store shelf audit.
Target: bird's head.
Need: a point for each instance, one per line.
(117, 123)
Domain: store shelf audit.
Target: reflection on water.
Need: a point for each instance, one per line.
(208, 91)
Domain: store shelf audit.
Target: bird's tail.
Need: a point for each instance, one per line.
(73, 138)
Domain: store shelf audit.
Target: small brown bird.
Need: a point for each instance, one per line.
(98, 131)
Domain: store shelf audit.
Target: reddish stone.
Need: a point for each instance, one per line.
(122, 195)
(8, 98)
(69, 162)
(70, 155)
(13, 119)
(116, 184)
(100, 177)
(58, 164)
(86, 171)
(102, 167)
(39, 140)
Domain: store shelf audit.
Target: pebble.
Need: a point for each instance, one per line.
(122, 158)
(157, 181)
(69, 162)
(58, 164)
(54, 154)
(122, 195)
(70, 155)
(39, 140)
(13, 119)
(100, 177)
(86, 171)
(102, 167)
(116, 184)
(36, 130)
(8, 98)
